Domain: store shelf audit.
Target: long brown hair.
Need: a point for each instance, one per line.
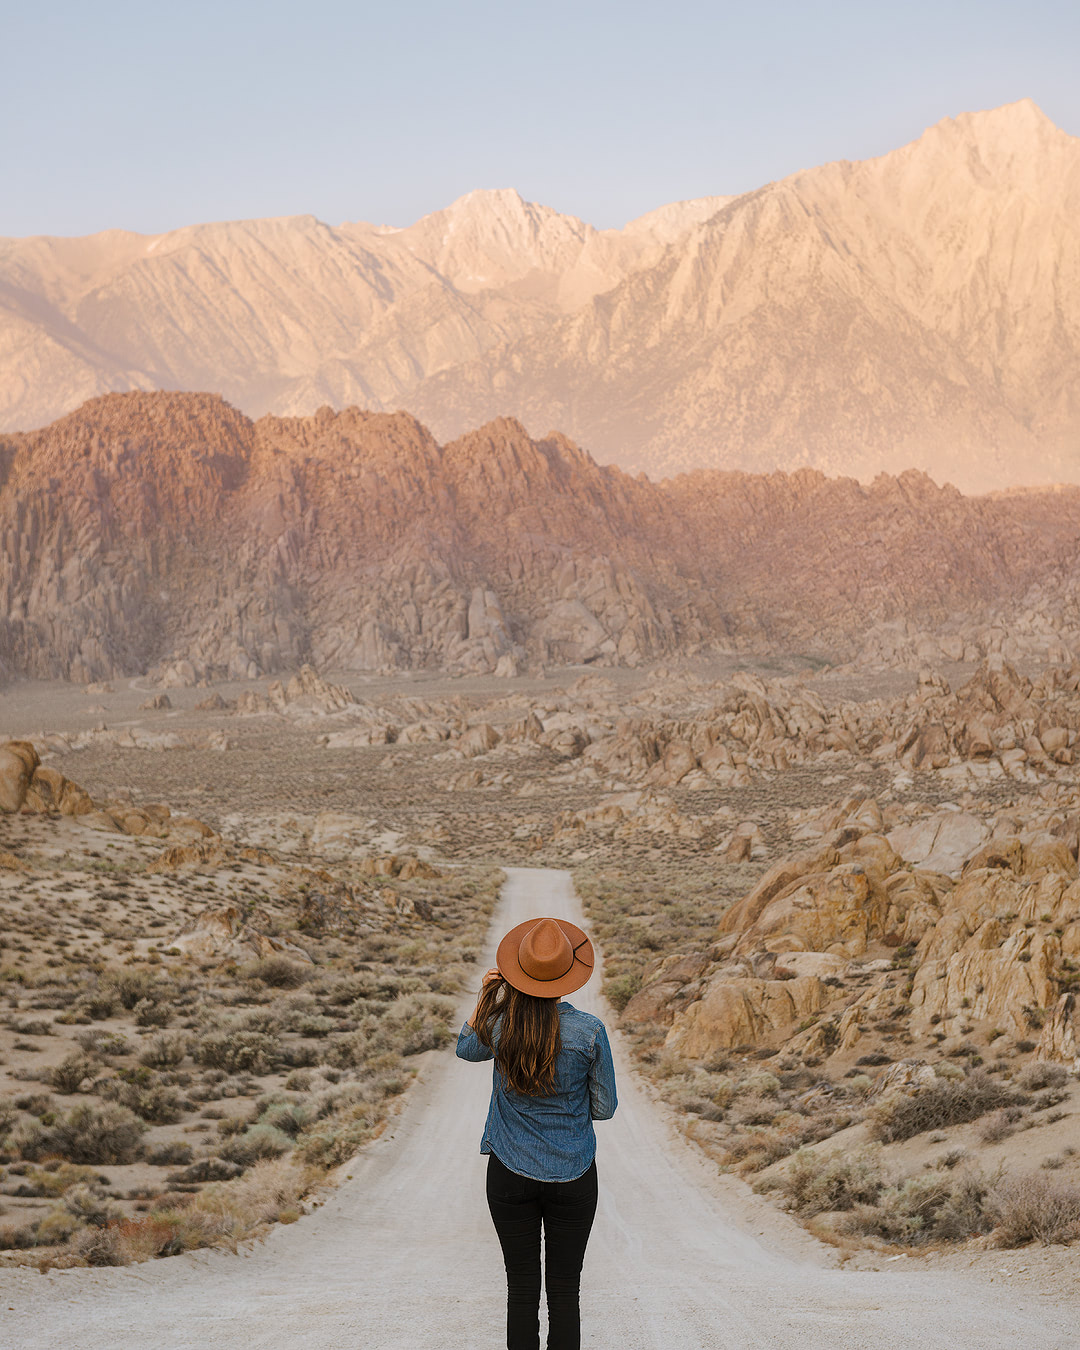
(528, 1046)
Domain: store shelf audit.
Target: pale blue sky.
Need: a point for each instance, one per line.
(148, 116)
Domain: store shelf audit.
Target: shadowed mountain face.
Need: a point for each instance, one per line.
(170, 531)
(921, 309)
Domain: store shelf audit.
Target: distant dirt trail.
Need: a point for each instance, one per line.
(404, 1257)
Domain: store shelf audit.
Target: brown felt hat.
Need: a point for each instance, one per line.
(545, 957)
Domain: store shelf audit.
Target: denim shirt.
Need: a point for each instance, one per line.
(551, 1138)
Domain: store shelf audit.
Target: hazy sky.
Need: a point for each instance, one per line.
(148, 116)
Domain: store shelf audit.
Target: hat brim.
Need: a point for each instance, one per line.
(509, 968)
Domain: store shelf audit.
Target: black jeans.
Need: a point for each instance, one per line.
(566, 1208)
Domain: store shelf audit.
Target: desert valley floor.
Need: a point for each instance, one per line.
(241, 924)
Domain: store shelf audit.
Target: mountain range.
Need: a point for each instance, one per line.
(169, 533)
(918, 310)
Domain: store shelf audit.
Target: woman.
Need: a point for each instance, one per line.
(552, 1077)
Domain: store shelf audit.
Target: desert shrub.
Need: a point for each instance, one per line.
(417, 1022)
(206, 1169)
(139, 1091)
(621, 989)
(814, 1182)
(267, 1020)
(1035, 1208)
(37, 1103)
(98, 1134)
(55, 1227)
(100, 1246)
(931, 1206)
(937, 1105)
(174, 1153)
(149, 1012)
(161, 1233)
(30, 1140)
(17, 1237)
(964, 1213)
(288, 1117)
(316, 1025)
(998, 1125)
(237, 1050)
(98, 1003)
(300, 1055)
(8, 1116)
(34, 1026)
(333, 1143)
(164, 1051)
(258, 1197)
(54, 1179)
(423, 1032)
(71, 1072)
(89, 1204)
(98, 1041)
(346, 1052)
(754, 1110)
(279, 972)
(1042, 1074)
(256, 1144)
(133, 986)
(298, 1081)
(760, 1085)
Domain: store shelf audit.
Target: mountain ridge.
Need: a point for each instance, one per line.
(169, 533)
(918, 308)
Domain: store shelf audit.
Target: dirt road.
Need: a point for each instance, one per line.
(403, 1256)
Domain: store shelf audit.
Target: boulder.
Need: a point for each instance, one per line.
(836, 911)
(744, 1012)
(49, 790)
(478, 740)
(780, 876)
(18, 760)
(223, 932)
(986, 982)
(1059, 1039)
(941, 842)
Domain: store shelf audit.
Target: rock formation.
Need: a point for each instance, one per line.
(167, 532)
(841, 946)
(29, 786)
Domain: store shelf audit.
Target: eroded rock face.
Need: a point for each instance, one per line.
(843, 939)
(223, 932)
(18, 761)
(304, 692)
(355, 541)
(744, 1012)
(28, 785)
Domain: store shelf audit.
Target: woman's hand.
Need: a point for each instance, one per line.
(490, 976)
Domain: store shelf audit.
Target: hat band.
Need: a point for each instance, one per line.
(548, 976)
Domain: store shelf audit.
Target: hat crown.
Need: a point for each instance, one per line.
(545, 952)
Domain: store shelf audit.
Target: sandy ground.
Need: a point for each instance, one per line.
(403, 1256)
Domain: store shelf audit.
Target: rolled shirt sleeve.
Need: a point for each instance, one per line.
(602, 1097)
(470, 1046)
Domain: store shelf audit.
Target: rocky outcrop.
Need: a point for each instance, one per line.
(224, 932)
(29, 786)
(354, 541)
(497, 551)
(306, 692)
(847, 947)
(744, 1012)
